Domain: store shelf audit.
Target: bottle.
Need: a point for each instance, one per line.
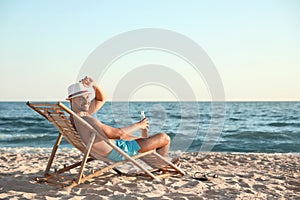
(144, 132)
(143, 115)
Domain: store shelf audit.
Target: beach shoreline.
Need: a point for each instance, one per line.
(240, 176)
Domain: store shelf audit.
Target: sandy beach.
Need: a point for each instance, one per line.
(240, 176)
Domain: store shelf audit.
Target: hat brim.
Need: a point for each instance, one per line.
(81, 94)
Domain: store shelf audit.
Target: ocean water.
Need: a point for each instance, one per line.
(265, 127)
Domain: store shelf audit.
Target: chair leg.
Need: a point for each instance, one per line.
(85, 157)
(54, 149)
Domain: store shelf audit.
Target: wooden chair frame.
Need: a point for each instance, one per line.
(57, 114)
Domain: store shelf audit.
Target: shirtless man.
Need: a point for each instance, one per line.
(81, 104)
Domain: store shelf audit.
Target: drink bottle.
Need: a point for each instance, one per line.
(144, 132)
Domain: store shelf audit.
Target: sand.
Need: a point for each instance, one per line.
(240, 176)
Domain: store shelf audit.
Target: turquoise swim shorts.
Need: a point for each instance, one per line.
(131, 147)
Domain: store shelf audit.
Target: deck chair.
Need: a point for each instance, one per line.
(59, 115)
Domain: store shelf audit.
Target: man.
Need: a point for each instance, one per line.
(81, 104)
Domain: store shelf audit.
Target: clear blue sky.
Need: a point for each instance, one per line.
(254, 44)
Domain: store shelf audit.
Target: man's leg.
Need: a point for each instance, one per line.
(160, 142)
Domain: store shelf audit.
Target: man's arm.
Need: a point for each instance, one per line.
(117, 133)
(100, 96)
(99, 101)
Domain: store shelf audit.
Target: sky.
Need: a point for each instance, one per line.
(254, 46)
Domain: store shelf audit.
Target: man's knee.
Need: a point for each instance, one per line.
(165, 138)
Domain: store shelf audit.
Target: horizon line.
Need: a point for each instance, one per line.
(230, 100)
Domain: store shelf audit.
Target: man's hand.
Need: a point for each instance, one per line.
(87, 82)
(144, 124)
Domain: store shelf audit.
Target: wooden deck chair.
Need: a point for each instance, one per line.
(59, 115)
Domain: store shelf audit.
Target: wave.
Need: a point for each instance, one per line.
(235, 119)
(13, 118)
(250, 145)
(283, 124)
(22, 122)
(183, 116)
(35, 150)
(257, 135)
(22, 137)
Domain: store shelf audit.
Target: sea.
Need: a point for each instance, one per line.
(257, 127)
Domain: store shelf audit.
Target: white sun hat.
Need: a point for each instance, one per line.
(77, 89)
